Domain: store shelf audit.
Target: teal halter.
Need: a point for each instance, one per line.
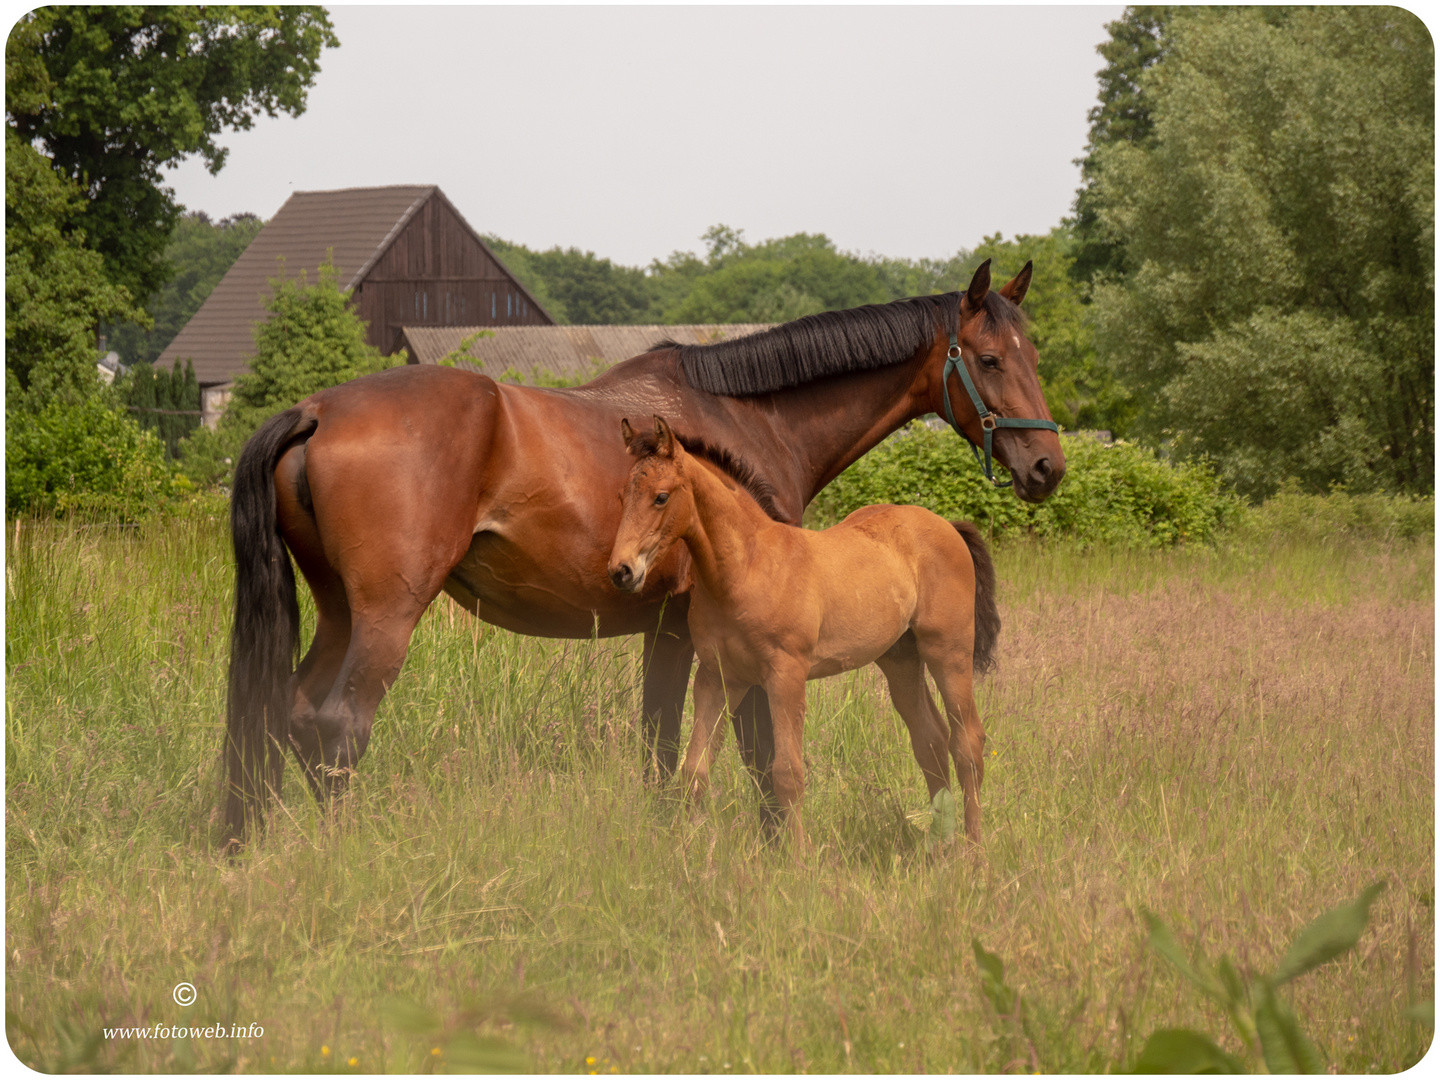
(988, 420)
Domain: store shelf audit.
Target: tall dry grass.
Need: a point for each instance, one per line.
(1235, 739)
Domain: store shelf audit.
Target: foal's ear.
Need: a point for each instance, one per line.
(626, 432)
(664, 438)
(1016, 288)
(979, 286)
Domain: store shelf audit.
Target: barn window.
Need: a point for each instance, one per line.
(508, 313)
(492, 307)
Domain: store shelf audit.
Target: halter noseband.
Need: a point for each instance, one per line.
(988, 420)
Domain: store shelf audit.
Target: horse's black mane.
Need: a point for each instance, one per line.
(731, 464)
(830, 343)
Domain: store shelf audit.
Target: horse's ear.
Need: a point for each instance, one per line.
(979, 286)
(664, 438)
(626, 432)
(1016, 288)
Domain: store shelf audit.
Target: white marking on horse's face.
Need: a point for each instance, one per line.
(1015, 340)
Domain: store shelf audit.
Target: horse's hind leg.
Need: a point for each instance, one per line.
(929, 734)
(315, 676)
(384, 558)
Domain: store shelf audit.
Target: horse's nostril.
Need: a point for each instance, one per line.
(1042, 469)
(622, 575)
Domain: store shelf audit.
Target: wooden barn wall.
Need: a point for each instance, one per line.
(436, 274)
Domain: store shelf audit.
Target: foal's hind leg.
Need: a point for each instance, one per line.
(952, 666)
(755, 733)
(929, 734)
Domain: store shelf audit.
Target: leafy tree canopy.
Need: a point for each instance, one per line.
(1278, 226)
(200, 251)
(55, 287)
(577, 287)
(113, 94)
(1138, 40)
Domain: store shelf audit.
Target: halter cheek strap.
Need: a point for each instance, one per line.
(988, 420)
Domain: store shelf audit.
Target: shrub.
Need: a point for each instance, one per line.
(86, 458)
(1294, 515)
(1116, 493)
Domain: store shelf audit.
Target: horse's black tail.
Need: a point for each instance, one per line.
(987, 613)
(265, 636)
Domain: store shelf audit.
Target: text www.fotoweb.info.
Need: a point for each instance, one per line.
(187, 1031)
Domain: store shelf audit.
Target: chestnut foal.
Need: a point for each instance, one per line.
(774, 605)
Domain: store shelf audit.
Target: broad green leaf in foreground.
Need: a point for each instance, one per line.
(1327, 937)
(1287, 1049)
(1180, 1050)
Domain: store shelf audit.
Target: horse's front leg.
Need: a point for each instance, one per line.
(666, 659)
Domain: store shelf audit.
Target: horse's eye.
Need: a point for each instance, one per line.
(989, 362)
(662, 498)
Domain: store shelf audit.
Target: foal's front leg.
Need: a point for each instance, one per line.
(711, 693)
(786, 688)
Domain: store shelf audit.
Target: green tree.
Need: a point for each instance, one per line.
(55, 289)
(773, 281)
(1138, 40)
(200, 251)
(1278, 226)
(114, 94)
(312, 340)
(165, 402)
(578, 287)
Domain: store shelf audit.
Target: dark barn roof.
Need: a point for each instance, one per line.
(566, 351)
(405, 250)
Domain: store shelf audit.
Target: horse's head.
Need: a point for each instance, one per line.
(1003, 408)
(656, 503)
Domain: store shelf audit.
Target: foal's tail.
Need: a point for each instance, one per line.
(987, 614)
(265, 636)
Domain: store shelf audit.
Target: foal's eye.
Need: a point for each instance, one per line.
(662, 498)
(989, 362)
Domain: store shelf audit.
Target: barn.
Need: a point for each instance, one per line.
(407, 253)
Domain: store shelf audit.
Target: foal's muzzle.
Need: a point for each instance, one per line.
(624, 578)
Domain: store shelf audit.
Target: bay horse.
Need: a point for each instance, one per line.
(775, 606)
(390, 488)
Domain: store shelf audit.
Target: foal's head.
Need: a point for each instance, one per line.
(656, 503)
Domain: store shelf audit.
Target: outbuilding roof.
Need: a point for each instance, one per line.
(566, 351)
(354, 226)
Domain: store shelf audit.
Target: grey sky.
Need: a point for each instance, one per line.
(628, 131)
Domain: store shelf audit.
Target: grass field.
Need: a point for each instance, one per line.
(1235, 739)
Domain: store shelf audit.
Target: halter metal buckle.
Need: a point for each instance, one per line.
(988, 421)
(953, 353)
